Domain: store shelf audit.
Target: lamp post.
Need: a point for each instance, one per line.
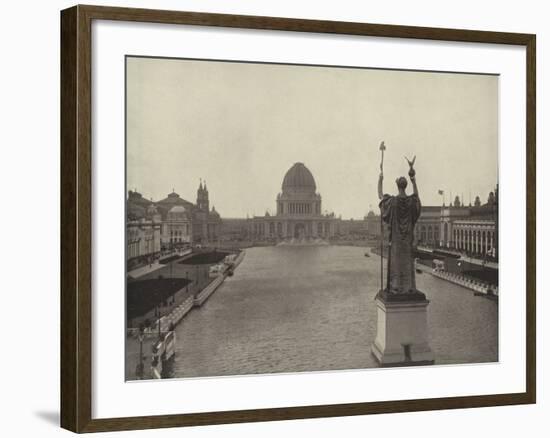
(140, 366)
(159, 319)
(171, 251)
(157, 310)
(197, 279)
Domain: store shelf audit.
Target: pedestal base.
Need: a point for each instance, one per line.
(402, 330)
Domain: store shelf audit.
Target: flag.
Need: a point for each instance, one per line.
(440, 192)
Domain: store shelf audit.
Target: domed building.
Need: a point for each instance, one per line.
(298, 208)
(185, 222)
(170, 223)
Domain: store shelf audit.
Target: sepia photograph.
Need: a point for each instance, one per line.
(285, 218)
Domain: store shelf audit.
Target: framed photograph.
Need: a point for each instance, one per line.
(271, 218)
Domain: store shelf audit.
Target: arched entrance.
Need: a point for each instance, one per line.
(299, 231)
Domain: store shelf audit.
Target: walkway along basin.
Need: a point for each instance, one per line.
(188, 285)
(311, 308)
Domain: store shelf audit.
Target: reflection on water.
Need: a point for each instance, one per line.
(311, 308)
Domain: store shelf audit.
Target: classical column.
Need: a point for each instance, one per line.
(480, 235)
(479, 244)
(482, 241)
(480, 232)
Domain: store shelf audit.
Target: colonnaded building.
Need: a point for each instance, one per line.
(299, 211)
(470, 229)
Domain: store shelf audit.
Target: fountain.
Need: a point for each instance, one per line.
(303, 241)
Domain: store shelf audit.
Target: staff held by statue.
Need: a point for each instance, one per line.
(382, 149)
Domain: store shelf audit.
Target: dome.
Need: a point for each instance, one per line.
(177, 210)
(299, 178)
(214, 213)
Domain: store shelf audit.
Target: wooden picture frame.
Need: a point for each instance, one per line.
(76, 217)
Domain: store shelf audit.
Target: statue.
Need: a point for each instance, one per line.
(401, 213)
(402, 333)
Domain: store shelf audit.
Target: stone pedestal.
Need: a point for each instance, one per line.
(402, 330)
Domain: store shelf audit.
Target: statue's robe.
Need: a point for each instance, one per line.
(401, 213)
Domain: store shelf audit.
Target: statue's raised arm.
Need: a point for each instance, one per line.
(412, 174)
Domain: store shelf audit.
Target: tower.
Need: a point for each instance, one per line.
(202, 197)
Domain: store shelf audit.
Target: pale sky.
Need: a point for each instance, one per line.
(241, 126)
